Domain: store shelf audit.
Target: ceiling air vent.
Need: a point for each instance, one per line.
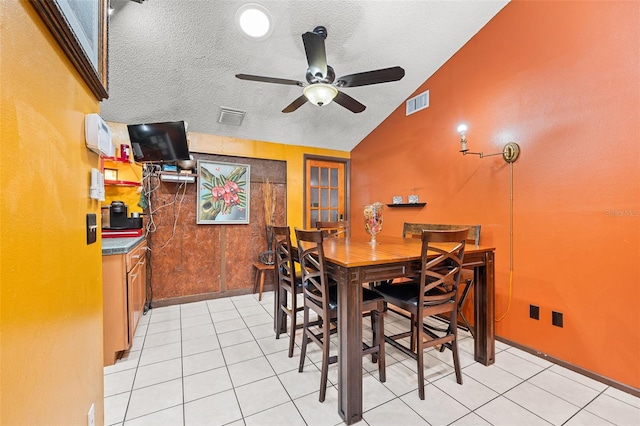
(231, 116)
(418, 102)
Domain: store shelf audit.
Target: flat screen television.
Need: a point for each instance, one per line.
(159, 142)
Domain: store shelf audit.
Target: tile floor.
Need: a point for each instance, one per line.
(217, 362)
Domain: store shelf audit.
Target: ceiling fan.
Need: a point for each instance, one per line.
(322, 86)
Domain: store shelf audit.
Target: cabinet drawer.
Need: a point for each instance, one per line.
(135, 256)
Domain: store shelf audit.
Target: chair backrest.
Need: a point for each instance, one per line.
(443, 271)
(283, 255)
(333, 229)
(312, 266)
(415, 230)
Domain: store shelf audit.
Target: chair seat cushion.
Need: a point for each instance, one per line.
(367, 295)
(332, 296)
(403, 294)
(370, 295)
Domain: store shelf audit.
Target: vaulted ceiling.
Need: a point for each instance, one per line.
(173, 60)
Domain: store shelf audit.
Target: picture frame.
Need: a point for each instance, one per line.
(81, 30)
(223, 193)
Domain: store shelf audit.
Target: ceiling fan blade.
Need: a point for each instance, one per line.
(371, 77)
(348, 102)
(296, 104)
(269, 79)
(316, 54)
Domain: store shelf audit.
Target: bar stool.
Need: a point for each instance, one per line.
(289, 283)
(258, 283)
(322, 298)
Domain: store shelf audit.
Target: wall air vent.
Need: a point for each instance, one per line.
(418, 102)
(231, 116)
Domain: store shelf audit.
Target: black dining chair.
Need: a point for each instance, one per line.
(431, 294)
(289, 285)
(414, 230)
(322, 298)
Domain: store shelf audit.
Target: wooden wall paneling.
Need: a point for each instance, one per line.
(197, 262)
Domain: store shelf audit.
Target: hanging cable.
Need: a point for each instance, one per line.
(510, 243)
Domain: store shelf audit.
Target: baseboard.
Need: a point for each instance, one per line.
(602, 379)
(204, 296)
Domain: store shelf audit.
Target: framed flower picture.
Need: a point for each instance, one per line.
(223, 193)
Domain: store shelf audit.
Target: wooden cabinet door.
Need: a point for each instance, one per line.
(115, 323)
(136, 289)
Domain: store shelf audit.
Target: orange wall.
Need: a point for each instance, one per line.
(562, 79)
(51, 280)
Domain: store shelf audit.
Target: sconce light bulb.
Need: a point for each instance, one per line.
(462, 129)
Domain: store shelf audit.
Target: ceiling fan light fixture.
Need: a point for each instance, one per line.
(254, 21)
(320, 94)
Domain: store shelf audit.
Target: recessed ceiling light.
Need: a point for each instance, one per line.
(254, 21)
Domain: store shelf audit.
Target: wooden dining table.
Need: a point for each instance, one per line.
(353, 262)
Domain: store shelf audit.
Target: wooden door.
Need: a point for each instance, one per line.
(325, 191)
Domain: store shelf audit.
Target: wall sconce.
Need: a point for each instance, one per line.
(509, 153)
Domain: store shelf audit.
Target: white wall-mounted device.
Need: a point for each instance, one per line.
(96, 188)
(98, 136)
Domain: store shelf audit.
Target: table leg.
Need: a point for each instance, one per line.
(350, 346)
(484, 311)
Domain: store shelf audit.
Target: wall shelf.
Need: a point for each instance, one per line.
(407, 205)
(117, 164)
(121, 183)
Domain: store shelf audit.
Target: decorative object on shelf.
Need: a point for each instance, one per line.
(125, 150)
(187, 165)
(397, 199)
(510, 152)
(223, 193)
(413, 199)
(269, 199)
(110, 174)
(373, 220)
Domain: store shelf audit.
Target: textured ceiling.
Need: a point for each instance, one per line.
(177, 59)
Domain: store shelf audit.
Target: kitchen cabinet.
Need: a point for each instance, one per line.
(124, 266)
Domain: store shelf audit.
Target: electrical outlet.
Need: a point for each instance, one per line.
(556, 319)
(534, 312)
(91, 416)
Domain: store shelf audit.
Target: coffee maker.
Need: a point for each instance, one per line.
(118, 213)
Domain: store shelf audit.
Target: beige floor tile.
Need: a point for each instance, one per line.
(437, 407)
(250, 371)
(503, 412)
(614, 410)
(206, 383)
(471, 393)
(394, 412)
(277, 416)
(158, 372)
(178, 353)
(553, 409)
(154, 398)
(261, 395)
(214, 410)
(203, 361)
(170, 417)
